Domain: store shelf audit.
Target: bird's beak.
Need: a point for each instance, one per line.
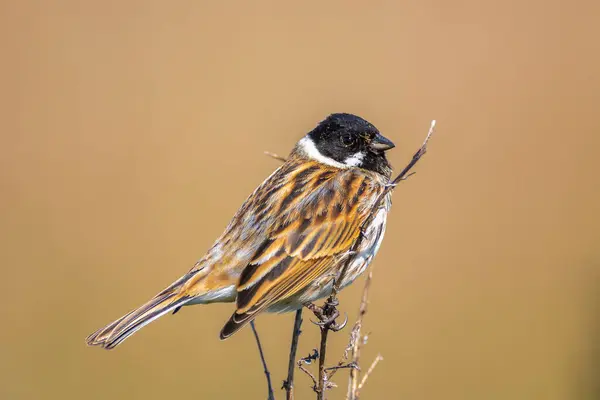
(382, 143)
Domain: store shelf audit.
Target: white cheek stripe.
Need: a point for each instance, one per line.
(355, 160)
(307, 146)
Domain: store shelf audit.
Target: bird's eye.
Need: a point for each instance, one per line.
(348, 140)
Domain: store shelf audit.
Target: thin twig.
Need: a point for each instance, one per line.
(308, 360)
(355, 336)
(307, 372)
(276, 156)
(343, 364)
(326, 315)
(369, 371)
(422, 150)
(288, 384)
(322, 374)
(264, 363)
(340, 366)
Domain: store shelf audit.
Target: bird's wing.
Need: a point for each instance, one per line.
(312, 235)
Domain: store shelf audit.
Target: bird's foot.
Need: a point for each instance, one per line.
(327, 314)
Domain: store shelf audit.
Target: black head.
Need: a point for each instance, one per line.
(346, 140)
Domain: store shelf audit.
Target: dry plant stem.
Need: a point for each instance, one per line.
(322, 377)
(356, 338)
(326, 316)
(308, 360)
(275, 156)
(369, 371)
(288, 384)
(271, 396)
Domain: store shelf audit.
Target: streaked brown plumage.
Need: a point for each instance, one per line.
(285, 243)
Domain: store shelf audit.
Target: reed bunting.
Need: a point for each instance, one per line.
(291, 236)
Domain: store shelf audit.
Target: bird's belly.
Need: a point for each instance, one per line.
(359, 262)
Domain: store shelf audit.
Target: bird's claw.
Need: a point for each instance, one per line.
(328, 321)
(327, 315)
(332, 302)
(338, 327)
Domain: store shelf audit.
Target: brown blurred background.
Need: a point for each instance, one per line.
(131, 131)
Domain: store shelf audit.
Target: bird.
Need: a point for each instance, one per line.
(292, 235)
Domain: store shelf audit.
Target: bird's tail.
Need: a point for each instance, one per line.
(114, 333)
